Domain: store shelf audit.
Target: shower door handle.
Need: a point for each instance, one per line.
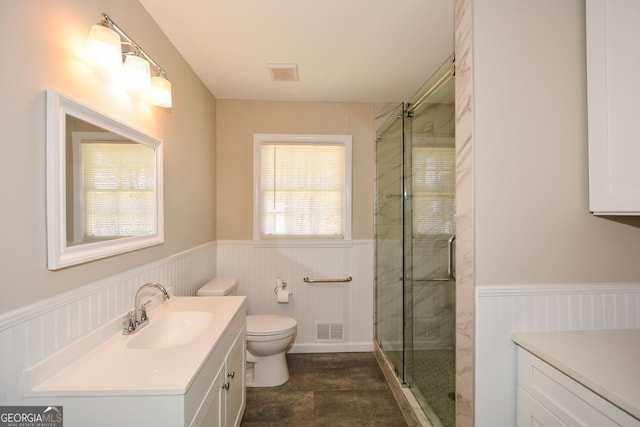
(450, 256)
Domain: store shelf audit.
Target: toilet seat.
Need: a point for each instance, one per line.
(269, 324)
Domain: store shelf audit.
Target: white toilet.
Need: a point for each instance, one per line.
(269, 337)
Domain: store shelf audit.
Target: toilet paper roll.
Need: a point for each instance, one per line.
(283, 296)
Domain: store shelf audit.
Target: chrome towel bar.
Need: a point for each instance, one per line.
(307, 280)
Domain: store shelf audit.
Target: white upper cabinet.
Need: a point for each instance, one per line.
(613, 63)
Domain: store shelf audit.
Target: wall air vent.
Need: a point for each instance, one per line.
(283, 72)
(330, 331)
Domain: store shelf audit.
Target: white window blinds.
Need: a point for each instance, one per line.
(118, 189)
(303, 189)
(434, 183)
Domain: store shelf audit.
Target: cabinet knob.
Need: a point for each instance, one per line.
(232, 374)
(225, 386)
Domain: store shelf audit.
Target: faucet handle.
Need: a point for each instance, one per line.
(129, 323)
(143, 312)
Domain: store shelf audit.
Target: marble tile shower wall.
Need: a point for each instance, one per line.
(464, 213)
(434, 301)
(382, 111)
(389, 293)
(34, 332)
(434, 122)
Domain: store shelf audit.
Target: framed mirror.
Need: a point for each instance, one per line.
(104, 185)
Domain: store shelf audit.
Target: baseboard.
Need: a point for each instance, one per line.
(331, 347)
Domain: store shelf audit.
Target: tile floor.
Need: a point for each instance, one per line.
(434, 373)
(326, 389)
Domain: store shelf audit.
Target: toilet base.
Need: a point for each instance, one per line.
(268, 371)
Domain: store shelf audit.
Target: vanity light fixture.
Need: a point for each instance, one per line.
(103, 47)
(160, 92)
(108, 45)
(136, 72)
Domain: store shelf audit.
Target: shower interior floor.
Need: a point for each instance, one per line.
(433, 383)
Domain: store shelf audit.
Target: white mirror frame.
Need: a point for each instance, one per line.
(60, 255)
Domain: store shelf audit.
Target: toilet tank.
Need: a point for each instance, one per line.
(219, 287)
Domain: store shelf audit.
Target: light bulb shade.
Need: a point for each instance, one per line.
(160, 92)
(137, 73)
(103, 47)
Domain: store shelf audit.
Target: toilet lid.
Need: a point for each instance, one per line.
(267, 324)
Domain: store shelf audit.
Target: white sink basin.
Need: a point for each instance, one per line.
(107, 363)
(173, 329)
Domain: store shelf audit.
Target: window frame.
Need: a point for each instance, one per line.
(300, 139)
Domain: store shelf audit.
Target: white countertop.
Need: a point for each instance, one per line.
(605, 361)
(113, 368)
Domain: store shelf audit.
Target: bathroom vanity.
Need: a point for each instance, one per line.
(585, 378)
(185, 368)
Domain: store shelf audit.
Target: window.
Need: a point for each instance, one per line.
(115, 193)
(302, 186)
(434, 183)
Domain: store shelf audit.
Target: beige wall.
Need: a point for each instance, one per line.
(239, 120)
(41, 42)
(532, 222)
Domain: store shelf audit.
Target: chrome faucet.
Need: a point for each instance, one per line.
(137, 318)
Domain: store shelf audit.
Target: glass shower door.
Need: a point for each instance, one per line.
(389, 241)
(429, 225)
(408, 249)
(415, 244)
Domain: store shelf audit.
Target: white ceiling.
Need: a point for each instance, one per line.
(346, 50)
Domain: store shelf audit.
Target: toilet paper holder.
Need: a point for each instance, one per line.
(280, 285)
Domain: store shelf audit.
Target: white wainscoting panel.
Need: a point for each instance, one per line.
(31, 333)
(34, 332)
(257, 265)
(500, 310)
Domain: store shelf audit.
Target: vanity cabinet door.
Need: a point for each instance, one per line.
(224, 402)
(235, 391)
(211, 412)
(613, 109)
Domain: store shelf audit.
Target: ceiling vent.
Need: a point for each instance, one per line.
(283, 72)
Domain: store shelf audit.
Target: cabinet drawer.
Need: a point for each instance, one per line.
(569, 401)
(531, 413)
